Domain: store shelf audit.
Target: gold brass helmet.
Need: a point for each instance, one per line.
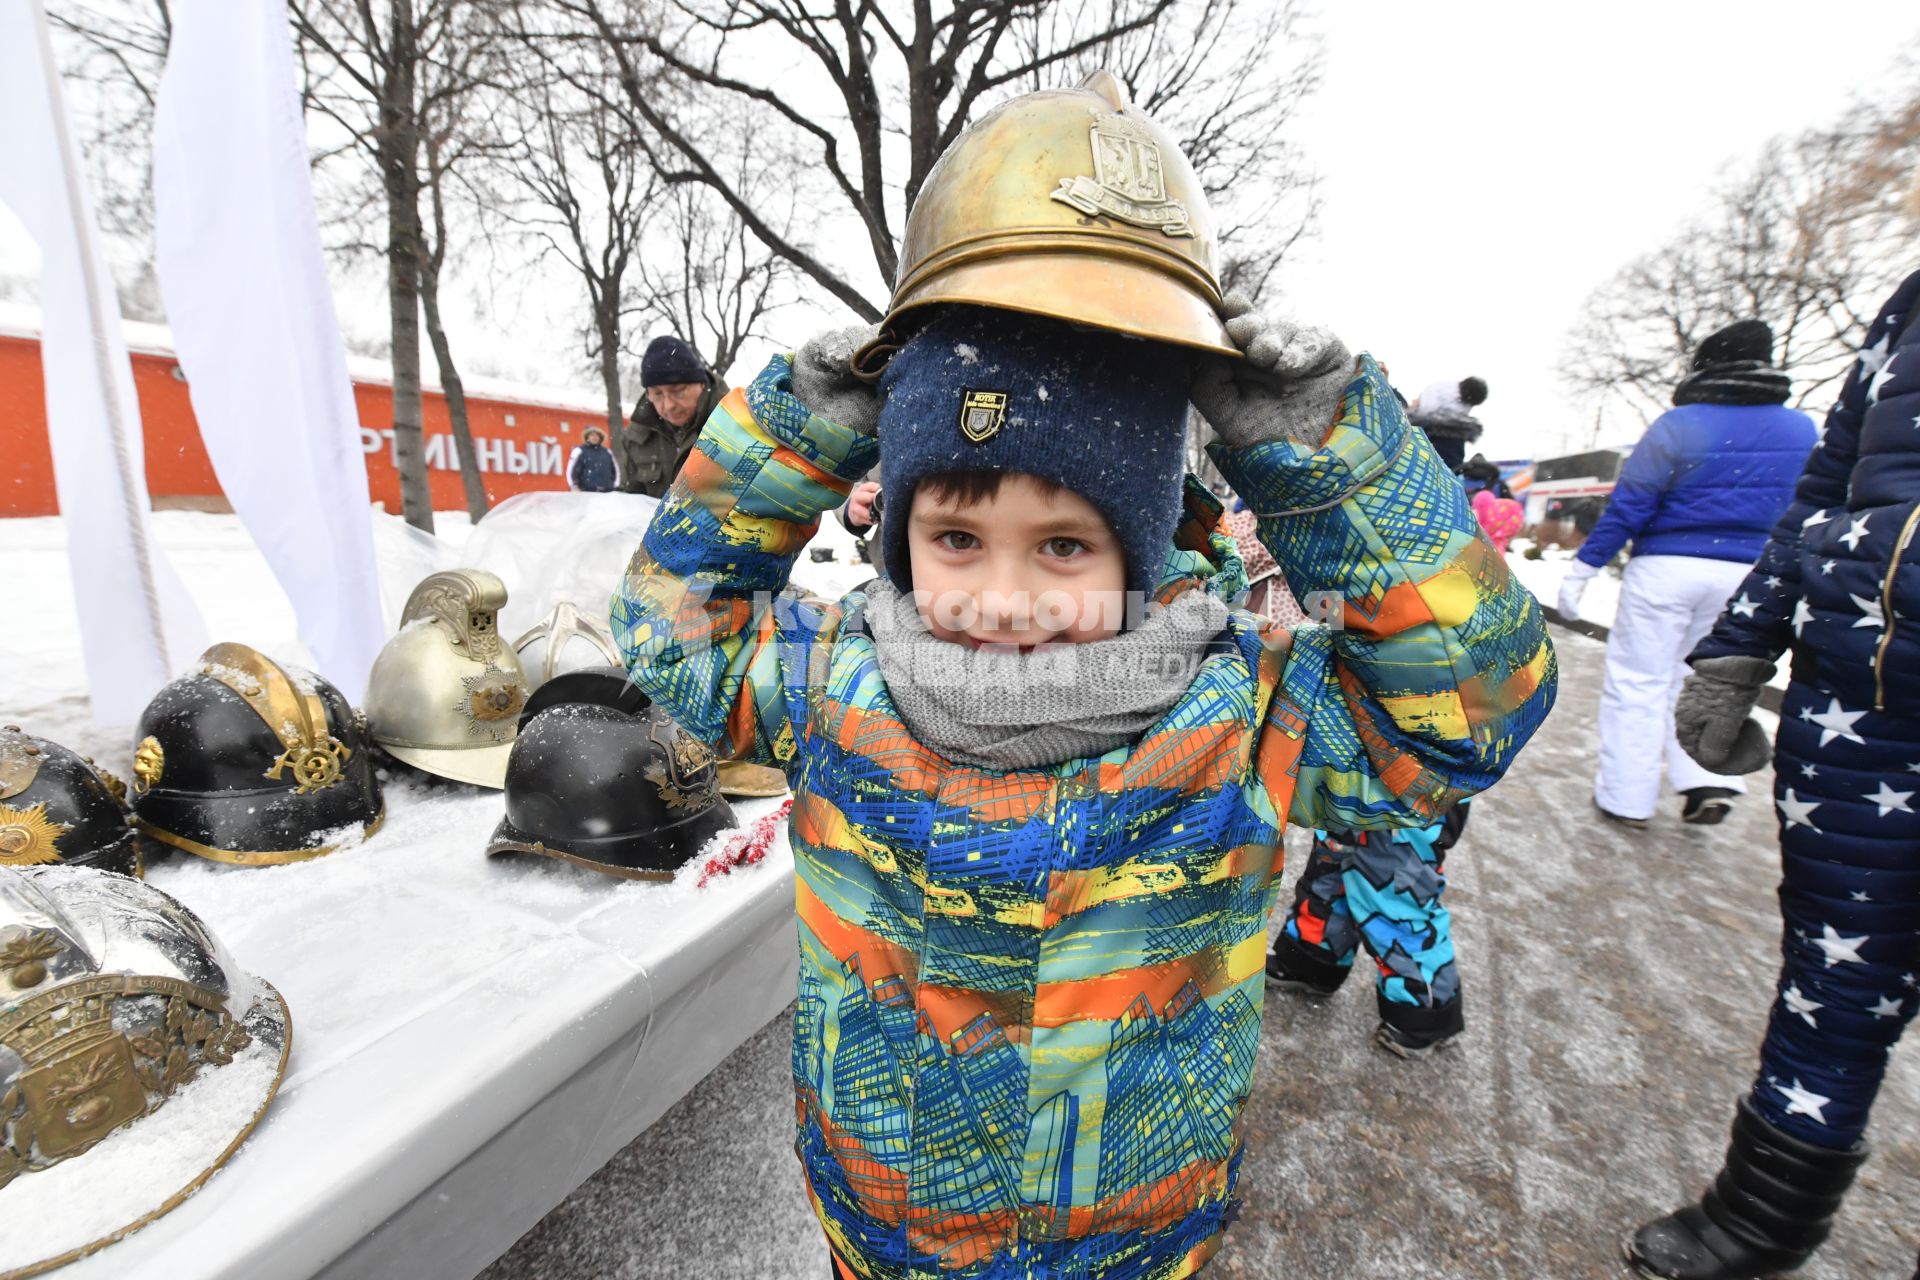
(1068, 203)
(445, 693)
(119, 1010)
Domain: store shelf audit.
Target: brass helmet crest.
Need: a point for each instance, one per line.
(1068, 203)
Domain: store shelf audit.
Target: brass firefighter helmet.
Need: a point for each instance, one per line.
(247, 762)
(123, 1024)
(1068, 203)
(445, 693)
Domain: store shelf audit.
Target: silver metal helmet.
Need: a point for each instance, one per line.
(116, 1004)
(566, 640)
(445, 693)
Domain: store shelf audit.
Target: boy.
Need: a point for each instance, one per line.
(1036, 834)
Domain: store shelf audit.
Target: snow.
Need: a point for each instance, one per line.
(138, 1168)
(1542, 577)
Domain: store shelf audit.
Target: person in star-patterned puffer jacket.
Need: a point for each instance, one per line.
(1839, 585)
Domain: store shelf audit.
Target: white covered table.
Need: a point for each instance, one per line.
(473, 1038)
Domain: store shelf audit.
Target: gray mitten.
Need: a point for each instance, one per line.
(823, 379)
(1288, 387)
(1713, 720)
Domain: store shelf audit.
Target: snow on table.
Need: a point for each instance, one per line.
(472, 1036)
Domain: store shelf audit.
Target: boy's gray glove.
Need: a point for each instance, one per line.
(1288, 387)
(823, 379)
(1713, 720)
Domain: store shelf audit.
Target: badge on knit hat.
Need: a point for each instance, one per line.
(982, 414)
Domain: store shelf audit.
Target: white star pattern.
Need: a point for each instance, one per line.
(1801, 1102)
(1773, 584)
(1818, 517)
(1887, 1008)
(1795, 810)
(1808, 771)
(1860, 895)
(1839, 950)
(1743, 607)
(1889, 800)
(1802, 615)
(1910, 979)
(1827, 566)
(1914, 768)
(1797, 1003)
(1870, 615)
(1836, 723)
(1874, 358)
(1880, 379)
(1855, 532)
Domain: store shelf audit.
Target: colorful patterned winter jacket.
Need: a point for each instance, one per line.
(1029, 1001)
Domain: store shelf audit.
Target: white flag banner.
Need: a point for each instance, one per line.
(253, 320)
(138, 626)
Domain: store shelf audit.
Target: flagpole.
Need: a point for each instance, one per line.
(132, 486)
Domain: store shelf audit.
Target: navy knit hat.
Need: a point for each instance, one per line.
(1095, 412)
(668, 361)
(1740, 341)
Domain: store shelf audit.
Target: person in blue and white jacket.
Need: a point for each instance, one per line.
(1697, 499)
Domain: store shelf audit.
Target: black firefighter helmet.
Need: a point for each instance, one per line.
(56, 806)
(626, 792)
(245, 762)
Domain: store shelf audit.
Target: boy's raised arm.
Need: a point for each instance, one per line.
(1440, 668)
(700, 618)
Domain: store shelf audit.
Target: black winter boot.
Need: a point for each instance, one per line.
(1295, 967)
(1416, 1031)
(1769, 1209)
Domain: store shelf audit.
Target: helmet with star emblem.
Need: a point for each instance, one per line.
(446, 693)
(620, 790)
(135, 1057)
(56, 806)
(1067, 203)
(246, 761)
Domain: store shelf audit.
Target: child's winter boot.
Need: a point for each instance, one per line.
(1294, 966)
(1769, 1209)
(1416, 1031)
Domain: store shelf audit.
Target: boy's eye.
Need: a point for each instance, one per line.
(1064, 548)
(956, 540)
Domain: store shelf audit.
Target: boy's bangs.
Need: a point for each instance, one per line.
(971, 488)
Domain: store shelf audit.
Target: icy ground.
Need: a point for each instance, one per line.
(1616, 986)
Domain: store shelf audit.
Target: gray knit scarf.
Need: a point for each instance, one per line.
(1001, 709)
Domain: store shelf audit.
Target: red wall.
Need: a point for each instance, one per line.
(529, 455)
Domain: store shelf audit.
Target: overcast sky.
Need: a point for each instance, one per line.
(1487, 165)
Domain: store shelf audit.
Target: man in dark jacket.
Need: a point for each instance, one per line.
(1697, 497)
(681, 393)
(1830, 586)
(591, 468)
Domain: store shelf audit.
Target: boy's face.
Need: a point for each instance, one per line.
(1023, 567)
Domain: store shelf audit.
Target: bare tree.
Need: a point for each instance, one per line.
(704, 276)
(1808, 236)
(578, 184)
(849, 107)
(384, 76)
